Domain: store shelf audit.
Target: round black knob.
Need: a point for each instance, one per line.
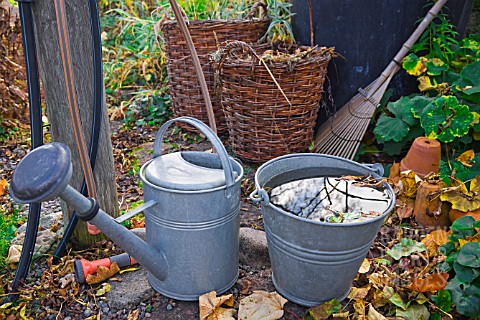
(42, 174)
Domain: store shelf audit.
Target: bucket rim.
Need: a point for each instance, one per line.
(388, 189)
(145, 181)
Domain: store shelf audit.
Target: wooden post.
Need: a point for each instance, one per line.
(51, 71)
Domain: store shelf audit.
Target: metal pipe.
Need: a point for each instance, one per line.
(145, 254)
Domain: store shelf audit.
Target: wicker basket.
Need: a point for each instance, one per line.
(207, 35)
(262, 124)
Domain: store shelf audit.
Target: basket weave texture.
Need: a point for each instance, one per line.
(207, 36)
(262, 124)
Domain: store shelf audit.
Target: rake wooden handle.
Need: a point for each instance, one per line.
(393, 66)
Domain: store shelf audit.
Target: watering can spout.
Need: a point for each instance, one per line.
(44, 174)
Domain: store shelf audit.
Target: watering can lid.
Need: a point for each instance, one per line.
(172, 171)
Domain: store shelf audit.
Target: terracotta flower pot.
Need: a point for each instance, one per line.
(430, 211)
(454, 214)
(423, 157)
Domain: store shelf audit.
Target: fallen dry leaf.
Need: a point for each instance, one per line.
(261, 305)
(140, 223)
(103, 273)
(210, 306)
(434, 240)
(104, 288)
(245, 286)
(404, 209)
(133, 314)
(410, 183)
(3, 187)
(394, 176)
(66, 280)
(431, 282)
(466, 158)
(14, 253)
(374, 314)
(359, 293)
(365, 267)
(359, 307)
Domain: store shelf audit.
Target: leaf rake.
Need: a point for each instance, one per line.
(342, 133)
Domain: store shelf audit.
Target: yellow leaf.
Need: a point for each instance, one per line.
(434, 240)
(22, 312)
(128, 270)
(425, 84)
(359, 293)
(466, 158)
(410, 183)
(463, 199)
(365, 267)
(374, 314)
(210, 306)
(3, 186)
(359, 307)
(103, 273)
(105, 287)
(461, 242)
(133, 315)
(261, 305)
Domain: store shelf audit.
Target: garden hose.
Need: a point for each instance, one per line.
(33, 83)
(96, 121)
(196, 62)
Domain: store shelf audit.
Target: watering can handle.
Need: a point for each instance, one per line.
(211, 136)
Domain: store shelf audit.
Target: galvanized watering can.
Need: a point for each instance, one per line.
(314, 261)
(192, 205)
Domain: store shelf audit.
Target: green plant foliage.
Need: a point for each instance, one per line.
(462, 172)
(443, 300)
(401, 121)
(405, 247)
(8, 226)
(445, 118)
(463, 262)
(468, 85)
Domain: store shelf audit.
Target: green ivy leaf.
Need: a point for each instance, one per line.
(465, 274)
(414, 312)
(443, 300)
(405, 247)
(469, 255)
(396, 128)
(466, 297)
(468, 86)
(444, 119)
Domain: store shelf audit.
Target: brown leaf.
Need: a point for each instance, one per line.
(434, 240)
(133, 314)
(359, 293)
(138, 223)
(431, 282)
(359, 306)
(103, 273)
(405, 210)
(261, 305)
(3, 187)
(394, 176)
(466, 158)
(374, 314)
(245, 285)
(210, 306)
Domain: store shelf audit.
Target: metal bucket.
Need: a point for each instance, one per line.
(313, 261)
(195, 226)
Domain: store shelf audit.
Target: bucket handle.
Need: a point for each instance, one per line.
(259, 196)
(211, 136)
(375, 168)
